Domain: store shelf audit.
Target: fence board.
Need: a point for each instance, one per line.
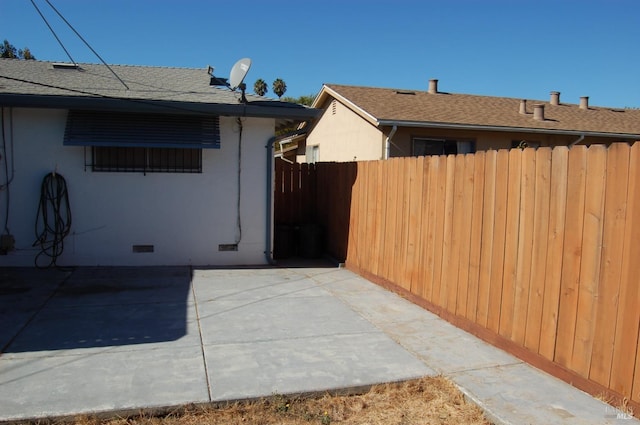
(539, 249)
(626, 338)
(402, 223)
(525, 245)
(453, 264)
(448, 227)
(396, 219)
(387, 247)
(354, 217)
(511, 244)
(475, 242)
(572, 254)
(365, 215)
(497, 256)
(416, 223)
(465, 235)
(590, 264)
(617, 179)
(431, 215)
(440, 230)
(377, 210)
(488, 225)
(555, 248)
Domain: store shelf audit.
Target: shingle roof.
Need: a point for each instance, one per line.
(31, 82)
(386, 105)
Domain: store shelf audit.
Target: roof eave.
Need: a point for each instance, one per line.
(423, 124)
(251, 109)
(329, 92)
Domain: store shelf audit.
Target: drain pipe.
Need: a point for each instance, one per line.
(268, 249)
(578, 140)
(387, 145)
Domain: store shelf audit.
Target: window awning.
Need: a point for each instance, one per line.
(94, 128)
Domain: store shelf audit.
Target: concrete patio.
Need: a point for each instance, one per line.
(96, 340)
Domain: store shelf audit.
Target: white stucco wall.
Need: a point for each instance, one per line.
(344, 136)
(184, 216)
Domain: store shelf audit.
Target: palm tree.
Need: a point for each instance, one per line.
(260, 87)
(279, 87)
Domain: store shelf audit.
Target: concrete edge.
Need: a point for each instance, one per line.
(159, 411)
(491, 416)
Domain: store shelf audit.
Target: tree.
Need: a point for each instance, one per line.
(26, 54)
(9, 51)
(279, 87)
(260, 87)
(302, 100)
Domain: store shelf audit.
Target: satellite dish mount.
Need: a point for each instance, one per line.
(238, 73)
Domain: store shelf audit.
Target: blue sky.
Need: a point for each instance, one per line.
(512, 48)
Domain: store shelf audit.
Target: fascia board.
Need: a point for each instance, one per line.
(141, 105)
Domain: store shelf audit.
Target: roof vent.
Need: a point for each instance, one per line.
(555, 98)
(433, 86)
(62, 65)
(584, 102)
(523, 106)
(538, 112)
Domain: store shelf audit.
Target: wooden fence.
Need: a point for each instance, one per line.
(535, 251)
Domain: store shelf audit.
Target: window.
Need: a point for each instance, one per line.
(147, 160)
(427, 146)
(312, 154)
(131, 142)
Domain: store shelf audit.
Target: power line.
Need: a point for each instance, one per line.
(79, 36)
(53, 32)
(87, 44)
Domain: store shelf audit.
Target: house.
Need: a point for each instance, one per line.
(366, 123)
(160, 167)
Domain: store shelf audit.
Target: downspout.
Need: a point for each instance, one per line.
(578, 140)
(387, 145)
(268, 249)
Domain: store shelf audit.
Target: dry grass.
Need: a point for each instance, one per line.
(430, 400)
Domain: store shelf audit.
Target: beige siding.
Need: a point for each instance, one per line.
(342, 136)
(485, 140)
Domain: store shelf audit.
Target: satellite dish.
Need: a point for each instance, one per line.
(238, 72)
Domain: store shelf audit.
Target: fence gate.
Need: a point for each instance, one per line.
(297, 232)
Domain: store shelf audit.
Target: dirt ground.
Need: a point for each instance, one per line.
(430, 400)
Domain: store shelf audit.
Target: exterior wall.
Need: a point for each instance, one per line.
(486, 140)
(345, 136)
(185, 216)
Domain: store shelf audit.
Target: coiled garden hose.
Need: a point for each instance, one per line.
(53, 221)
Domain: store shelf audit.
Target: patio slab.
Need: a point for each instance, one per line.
(114, 340)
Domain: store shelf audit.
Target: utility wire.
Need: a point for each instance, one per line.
(53, 32)
(87, 44)
(6, 170)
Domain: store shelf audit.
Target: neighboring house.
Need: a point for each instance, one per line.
(366, 123)
(161, 167)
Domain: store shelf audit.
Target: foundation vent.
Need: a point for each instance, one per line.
(142, 248)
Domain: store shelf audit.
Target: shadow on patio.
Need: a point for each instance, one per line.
(91, 307)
